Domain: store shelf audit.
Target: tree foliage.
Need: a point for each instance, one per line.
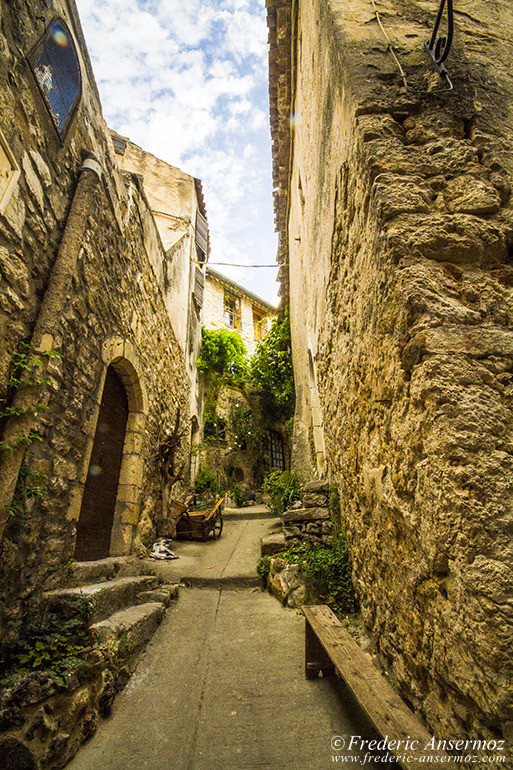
(223, 354)
(271, 370)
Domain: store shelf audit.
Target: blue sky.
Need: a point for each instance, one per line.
(187, 81)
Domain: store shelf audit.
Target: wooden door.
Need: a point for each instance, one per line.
(101, 488)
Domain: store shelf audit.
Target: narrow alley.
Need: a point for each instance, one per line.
(222, 681)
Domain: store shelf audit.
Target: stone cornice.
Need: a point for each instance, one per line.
(279, 15)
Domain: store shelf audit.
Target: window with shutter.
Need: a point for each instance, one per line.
(55, 64)
(201, 236)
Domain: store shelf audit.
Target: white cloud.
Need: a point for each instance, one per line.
(188, 83)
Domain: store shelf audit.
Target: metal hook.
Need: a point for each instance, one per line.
(438, 47)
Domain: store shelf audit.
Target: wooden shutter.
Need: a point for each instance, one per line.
(199, 286)
(201, 235)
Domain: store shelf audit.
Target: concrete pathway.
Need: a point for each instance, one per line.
(221, 684)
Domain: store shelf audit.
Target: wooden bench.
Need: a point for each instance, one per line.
(329, 648)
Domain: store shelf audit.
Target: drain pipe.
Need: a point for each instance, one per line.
(31, 393)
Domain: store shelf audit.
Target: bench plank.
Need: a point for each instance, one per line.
(389, 714)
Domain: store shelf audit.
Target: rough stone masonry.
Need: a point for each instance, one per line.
(109, 313)
(396, 240)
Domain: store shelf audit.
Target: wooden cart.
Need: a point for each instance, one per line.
(198, 525)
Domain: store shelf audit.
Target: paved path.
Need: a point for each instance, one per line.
(221, 684)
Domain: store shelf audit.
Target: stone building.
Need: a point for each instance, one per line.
(99, 310)
(178, 208)
(392, 199)
(228, 305)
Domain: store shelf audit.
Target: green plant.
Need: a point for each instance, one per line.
(327, 572)
(27, 369)
(206, 481)
(334, 506)
(51, 642)
(272, 373)
(283, 487)
(264, 567)
(223, 355)
(238, 492)
(67, 572)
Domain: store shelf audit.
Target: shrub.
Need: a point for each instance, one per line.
(264, 567)
(222, 354)
(239, 494)
(206, 481)
(272, 373)
(327, 573)
(283, 487)
(52, 643)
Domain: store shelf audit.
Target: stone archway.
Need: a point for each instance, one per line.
(94, 528)
(121, 393)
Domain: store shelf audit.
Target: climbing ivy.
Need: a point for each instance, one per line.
(271, 371)
(222, 354)
(222, 361)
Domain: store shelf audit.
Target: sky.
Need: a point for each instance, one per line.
(187, 81)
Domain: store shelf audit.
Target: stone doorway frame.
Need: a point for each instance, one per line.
(121, 355)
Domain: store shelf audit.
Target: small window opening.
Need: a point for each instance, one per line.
(55, 64)
(275, 449)
(232, 311)
(259, 326)
(214, 431)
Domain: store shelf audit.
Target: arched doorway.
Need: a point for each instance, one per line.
(101, 487)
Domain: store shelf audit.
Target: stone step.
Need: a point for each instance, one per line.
(228, 583)
(242, 514)
(271, 544)
(129, 630)
(85, 572)
(306, 514)
(105, 598)
(164, 594)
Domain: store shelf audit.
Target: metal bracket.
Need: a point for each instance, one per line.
(439, 48)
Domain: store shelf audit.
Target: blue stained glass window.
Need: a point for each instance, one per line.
(57, 70)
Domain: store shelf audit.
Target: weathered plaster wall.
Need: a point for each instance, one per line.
(395, 215)
(173, 199)
(114, 314)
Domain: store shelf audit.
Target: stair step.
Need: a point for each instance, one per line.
(162, 594)
(133, 626)
(271, 544)
(105, 598)
(85, 572)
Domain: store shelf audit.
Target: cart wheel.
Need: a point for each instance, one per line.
(217, 528)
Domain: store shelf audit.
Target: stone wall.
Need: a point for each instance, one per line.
(174, 198)
(113, 313)
(395, 217)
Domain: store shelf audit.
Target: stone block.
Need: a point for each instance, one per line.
(306, 514)
(131, 470)
(468, 195)
(313, 529)
(272, 544)
(394, 195)
(34, 185)
(65, 468)
(291, 532)
(314, 500)
(318, 487)
(278, 587)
